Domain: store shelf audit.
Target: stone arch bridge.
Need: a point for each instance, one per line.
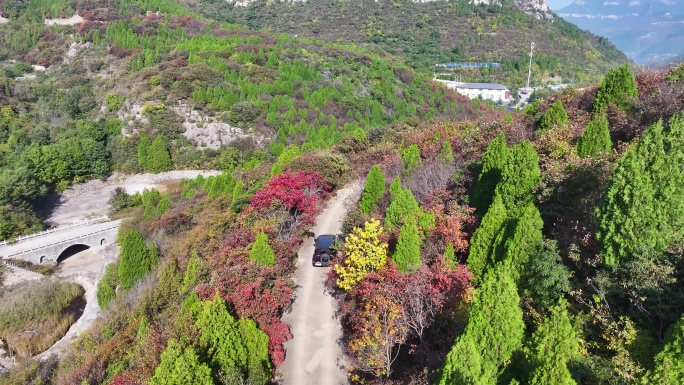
(50, 246)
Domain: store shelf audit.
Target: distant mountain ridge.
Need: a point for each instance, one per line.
(647, 31)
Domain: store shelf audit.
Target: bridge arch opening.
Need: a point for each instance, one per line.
(71, 251)
(43, 259)
(103, 241)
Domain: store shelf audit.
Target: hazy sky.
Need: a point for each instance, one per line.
(558, 4)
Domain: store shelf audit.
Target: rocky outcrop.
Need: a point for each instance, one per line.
(537, 8)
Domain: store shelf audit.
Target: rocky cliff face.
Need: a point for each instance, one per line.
(648, 31)
(537, 8)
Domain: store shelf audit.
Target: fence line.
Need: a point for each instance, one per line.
(55, 229)
(63, 241)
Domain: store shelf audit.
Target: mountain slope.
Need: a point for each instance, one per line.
(646, 30)
(446, 31)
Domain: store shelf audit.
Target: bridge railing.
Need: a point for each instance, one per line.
(62, 241)
(55, 229)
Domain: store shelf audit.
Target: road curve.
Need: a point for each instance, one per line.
(313, 355)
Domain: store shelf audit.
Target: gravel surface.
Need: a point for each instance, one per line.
(314, 355)
(90, 198)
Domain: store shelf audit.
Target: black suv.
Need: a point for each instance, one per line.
(324, 249)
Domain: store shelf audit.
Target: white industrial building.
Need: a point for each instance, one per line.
(486, 91)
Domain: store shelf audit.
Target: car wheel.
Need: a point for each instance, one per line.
(325, 259)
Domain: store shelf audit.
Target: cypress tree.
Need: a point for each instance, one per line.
(482, 243)
(136, 260)
(519, 176)
(410, 158)
(643, 205)
(143, 149)
(238, 195)
(401, 206)
(395, 187)
(181, 366)
(555, 116)
(106, 288)
(237, 348)
(494, 331)
(493, 162)
(158, 157)
(450, 256)
(525, 239)
(373, 190)
(261, 251)
(596, 138)
(552, 346)
(669, 363)
(617, 87)
(446, 154)
(407, 255)
(164, 205)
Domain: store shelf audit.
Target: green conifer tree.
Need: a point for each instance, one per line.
(106, 288)
(446, 153)
(407, 254)
(158, 156)
(493, 162)
(643, 205)
(494, 331)
(238, 196)
(261, 251)
(373, 190)
(401, 206)
(555, 116)
(552, 346)
(618, 87)
(164, 205)
(519, 176)
(395, 188)
(482, 243)
(136, 260)
(237, 349)
(525, 239)
(450, 256)
(669, 363)
(181, 366)
(410, 157)
(143, 150)
(596, 138)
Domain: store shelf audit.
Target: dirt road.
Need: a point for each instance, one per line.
(314, 355)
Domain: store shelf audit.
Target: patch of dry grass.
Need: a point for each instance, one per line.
(34, 317)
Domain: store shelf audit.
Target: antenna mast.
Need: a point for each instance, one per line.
(529, 70)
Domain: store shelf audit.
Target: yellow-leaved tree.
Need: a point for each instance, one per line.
(365, 253)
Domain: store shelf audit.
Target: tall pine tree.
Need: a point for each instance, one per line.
(669, 363)
(493, 162)
(261, 251)
(618, 87)
(373, 190)
(482, 243)
(643, 205)
(407, 254)
(136, 260)
(494, 331)
(552, 346)
(181, 366)
(555, 116)
(524, 240)
(401, 206)
(596, 138)
(158, 157)
(519, 176)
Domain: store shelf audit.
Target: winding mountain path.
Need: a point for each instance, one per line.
(314, 355)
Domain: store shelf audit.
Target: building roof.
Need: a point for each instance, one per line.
(485, 86)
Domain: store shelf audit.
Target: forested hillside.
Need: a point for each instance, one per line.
(180, 91)
(424, 34)
(528, 247)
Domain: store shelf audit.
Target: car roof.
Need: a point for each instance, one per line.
(326, 240)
